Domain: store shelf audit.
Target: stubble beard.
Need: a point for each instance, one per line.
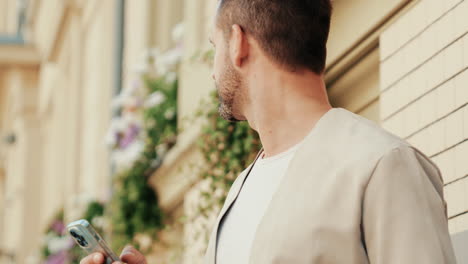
(228, 93)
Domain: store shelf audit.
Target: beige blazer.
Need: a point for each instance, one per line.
(352, 194)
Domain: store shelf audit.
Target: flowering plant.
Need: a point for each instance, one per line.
(58, 246)
(140, 137)
(153, 90)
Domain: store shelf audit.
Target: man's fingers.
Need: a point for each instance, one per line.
(132, 256)
(95, 258)
(129, 255)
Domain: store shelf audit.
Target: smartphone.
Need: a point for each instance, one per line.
(90, 241)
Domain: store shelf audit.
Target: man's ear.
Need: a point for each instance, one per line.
(239, 46)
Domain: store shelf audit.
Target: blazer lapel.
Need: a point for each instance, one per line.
(235, 190)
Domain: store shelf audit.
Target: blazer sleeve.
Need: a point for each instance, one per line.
(404, 215)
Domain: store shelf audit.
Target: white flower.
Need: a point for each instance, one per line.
(57, 244)
(154, 53)
(110, 138)
(161, 67)
(141, 67)
(145, 56)
(155, 99)
(161, 150)
(126, 157)
(117, 125)
(117, 102)
(173, 56)
(167, 61)
(98, 221)
(128, 92)
(144, 241)
(130, 118)
(33, 259)
(142, 63)
(218, 193)
(178, 32)
(134, 150)
(171, 77)
(169, 114)
(131, 102)
(48, 237)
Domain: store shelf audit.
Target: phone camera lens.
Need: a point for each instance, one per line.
(80, 239)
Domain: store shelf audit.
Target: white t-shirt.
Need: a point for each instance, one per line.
(237, 230)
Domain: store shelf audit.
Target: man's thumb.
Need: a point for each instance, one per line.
(132, 256)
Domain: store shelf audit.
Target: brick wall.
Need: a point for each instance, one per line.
(424, 85)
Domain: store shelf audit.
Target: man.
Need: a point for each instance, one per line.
(328, 187)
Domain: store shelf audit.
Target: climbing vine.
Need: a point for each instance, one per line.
(227, 147)
(134, 205)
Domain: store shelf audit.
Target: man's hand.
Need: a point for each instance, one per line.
(129, 255)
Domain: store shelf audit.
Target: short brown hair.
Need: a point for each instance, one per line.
(293, 33)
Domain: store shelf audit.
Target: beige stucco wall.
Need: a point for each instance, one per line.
(59, 111)
(8, 21)
(353, 20)
(19, 198)
(164, 14)
(357, 90)
(424, 78)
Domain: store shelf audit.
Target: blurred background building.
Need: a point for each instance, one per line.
(400, 63)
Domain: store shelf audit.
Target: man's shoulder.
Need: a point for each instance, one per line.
(344, 137)
(359, 135)
(367, 142)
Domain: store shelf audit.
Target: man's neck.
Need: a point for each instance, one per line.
(286, 109)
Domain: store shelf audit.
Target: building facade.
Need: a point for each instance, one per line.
(400, 63)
